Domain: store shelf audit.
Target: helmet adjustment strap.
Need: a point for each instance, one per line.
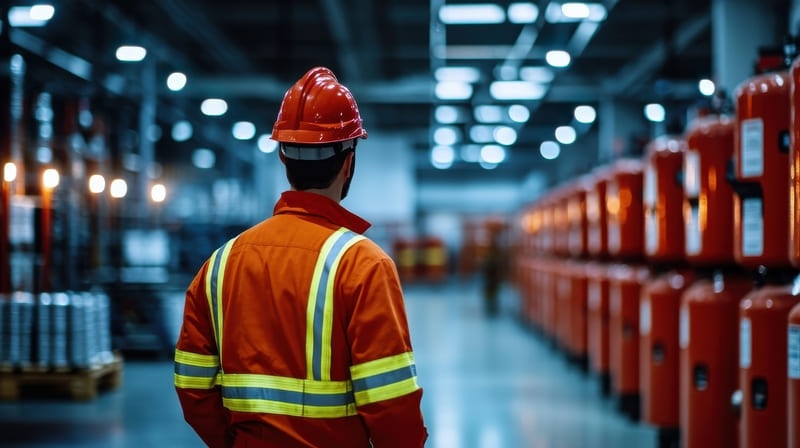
(316, 152)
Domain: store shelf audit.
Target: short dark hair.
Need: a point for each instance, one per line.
(308, 174)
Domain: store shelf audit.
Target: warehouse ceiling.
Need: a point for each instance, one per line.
(387, 52)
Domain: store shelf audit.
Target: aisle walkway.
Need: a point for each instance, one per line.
(489, 383)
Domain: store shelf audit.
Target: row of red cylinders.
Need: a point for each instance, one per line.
(680, 333)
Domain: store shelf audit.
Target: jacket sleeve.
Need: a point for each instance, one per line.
(384, 372)
(197, 366)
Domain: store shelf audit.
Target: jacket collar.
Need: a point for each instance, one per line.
(304, 203)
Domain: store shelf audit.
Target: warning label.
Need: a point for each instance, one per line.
(745, 341)
(752, 147)
(794, 352)
(752, 227)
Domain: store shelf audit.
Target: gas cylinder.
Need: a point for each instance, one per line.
(563, 298)
(597, 303)
(659, 349)
(793, 362)
(579, 314)
(626, 282)
(624, 210)
(763, 345)
(794, 173)
(576, 216)
(663, 200)
(708, 198)
(708, 369)
(597, 237)
(761, 143)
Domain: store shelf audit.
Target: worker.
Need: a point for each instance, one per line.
(295, 332)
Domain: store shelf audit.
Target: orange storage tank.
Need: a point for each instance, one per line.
(709, 377)
(576, 216)
(624, 210)
(763, 345)
(659, 350)
(626, 282)
(793, 361)
(708, 198)
(597, 237)
(597, 326)
(663, 200)
(761, 176)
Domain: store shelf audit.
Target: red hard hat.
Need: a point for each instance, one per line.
(317, 110)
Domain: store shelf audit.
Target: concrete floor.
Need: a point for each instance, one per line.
(489, 383)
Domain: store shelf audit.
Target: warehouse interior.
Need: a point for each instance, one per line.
(591, 206)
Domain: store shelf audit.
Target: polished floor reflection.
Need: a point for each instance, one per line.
(489, 383)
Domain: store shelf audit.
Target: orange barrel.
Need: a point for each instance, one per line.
(659, 349)
(433, 259)
(663, 200)
(708, 198)
(709, 315)
(405, 255)
(579, 313)
(597, 303)
(597, 238)
(761, 159)
(576, 217)
(624, 210)
(763, 379)
(793, 361)
(626, 282)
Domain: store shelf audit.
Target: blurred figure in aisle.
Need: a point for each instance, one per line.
(493, 266)
(295, 331)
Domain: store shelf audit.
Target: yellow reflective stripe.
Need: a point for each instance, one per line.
(382, 365)
(312, 299)
(226, 250)
(387, 392)
(194, 382)
(285, 383)
(196, 359)
(209, 274)
(295, 410)
(327, 318)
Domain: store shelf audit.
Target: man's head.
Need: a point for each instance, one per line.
(317, 129)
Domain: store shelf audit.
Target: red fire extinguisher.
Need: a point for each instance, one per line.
(663, 200)
(624, 210)
(793, 363)
(598, 322)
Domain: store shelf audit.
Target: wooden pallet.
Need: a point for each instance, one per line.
(78, 384)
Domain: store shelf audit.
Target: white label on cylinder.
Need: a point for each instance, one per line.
(794, 352)
(594, 295)
(752, 147)
(684, 327)
(694, 239)
(613, 206)
(745, 341)
(650, 194)
(691, 177)
(752, 227)
(644, 317)
(651, 231)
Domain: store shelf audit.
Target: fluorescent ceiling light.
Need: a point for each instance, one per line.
(266, 144)
(214, 107)
(575, 10)
(442, 157)
(481, 133)
(516, 90)
(566, 135)
(557, 58)
(519, 113)
(549, 150)
(477, 13)
(204, 158)
(505, 135)
(97, 183)
(176, 81)
(461, 74)
(131, 53)
(493, 154)
(541, 75)
(446, 114)
(523, 12)
(50, 178)
(585, 114)
(30, 16)
(452, 90)
(182, 131)
(119, 188)
(243, 130)
(488, 114)
(706, 87)
(9, 172)
(158, 193)
(446, 136)
(655, 112)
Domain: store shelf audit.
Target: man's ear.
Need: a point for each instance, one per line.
(283, 158)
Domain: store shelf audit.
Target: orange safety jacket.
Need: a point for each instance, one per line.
(295, 335)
